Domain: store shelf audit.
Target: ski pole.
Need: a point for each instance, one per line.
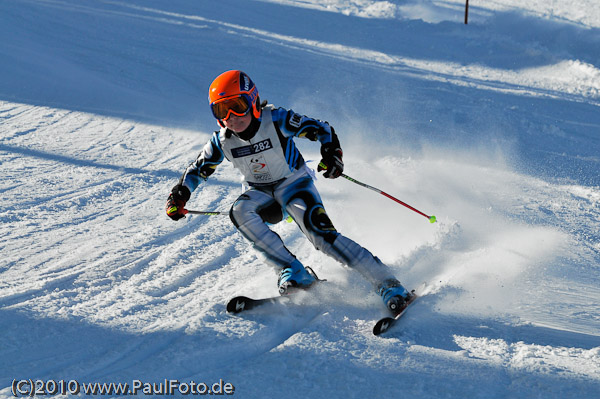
(431, 218)
(209, 213)
(216, 213)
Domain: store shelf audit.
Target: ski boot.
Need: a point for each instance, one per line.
(295, 276)
(394, 295)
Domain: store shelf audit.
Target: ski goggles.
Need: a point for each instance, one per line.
(222, 109)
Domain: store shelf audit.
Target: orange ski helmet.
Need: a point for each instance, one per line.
(233, 92)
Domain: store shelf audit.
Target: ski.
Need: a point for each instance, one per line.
(386, 323)
(242, 303)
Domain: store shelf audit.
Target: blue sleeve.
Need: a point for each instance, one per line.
(210, 157)
(293, 124)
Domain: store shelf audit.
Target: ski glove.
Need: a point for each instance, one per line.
(332, 161)
(180, 194)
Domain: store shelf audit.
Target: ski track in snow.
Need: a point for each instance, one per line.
(97, 284)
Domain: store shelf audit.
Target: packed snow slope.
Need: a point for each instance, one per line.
(494, 127)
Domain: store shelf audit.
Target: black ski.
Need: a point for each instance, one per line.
(242, 303)
(386, 323)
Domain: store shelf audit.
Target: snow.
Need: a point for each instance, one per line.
(494, 127)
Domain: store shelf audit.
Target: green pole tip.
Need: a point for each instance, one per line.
(432, 219)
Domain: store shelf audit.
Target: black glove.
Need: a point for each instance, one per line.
(179, 196)
(332, 160)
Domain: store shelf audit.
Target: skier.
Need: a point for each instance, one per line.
(258, 139)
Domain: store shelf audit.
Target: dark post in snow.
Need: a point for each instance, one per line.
(467, 12)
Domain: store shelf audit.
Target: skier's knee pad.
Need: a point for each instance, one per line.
(271, 213)
(245, 208)
(318, 220)
(319, 227)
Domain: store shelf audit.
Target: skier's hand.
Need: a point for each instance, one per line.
(332, 161)
(179, 196)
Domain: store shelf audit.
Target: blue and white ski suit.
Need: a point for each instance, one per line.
(278, 179)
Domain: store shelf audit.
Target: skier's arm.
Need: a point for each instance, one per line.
(211, 156)
(206, 163)
(293, 124)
